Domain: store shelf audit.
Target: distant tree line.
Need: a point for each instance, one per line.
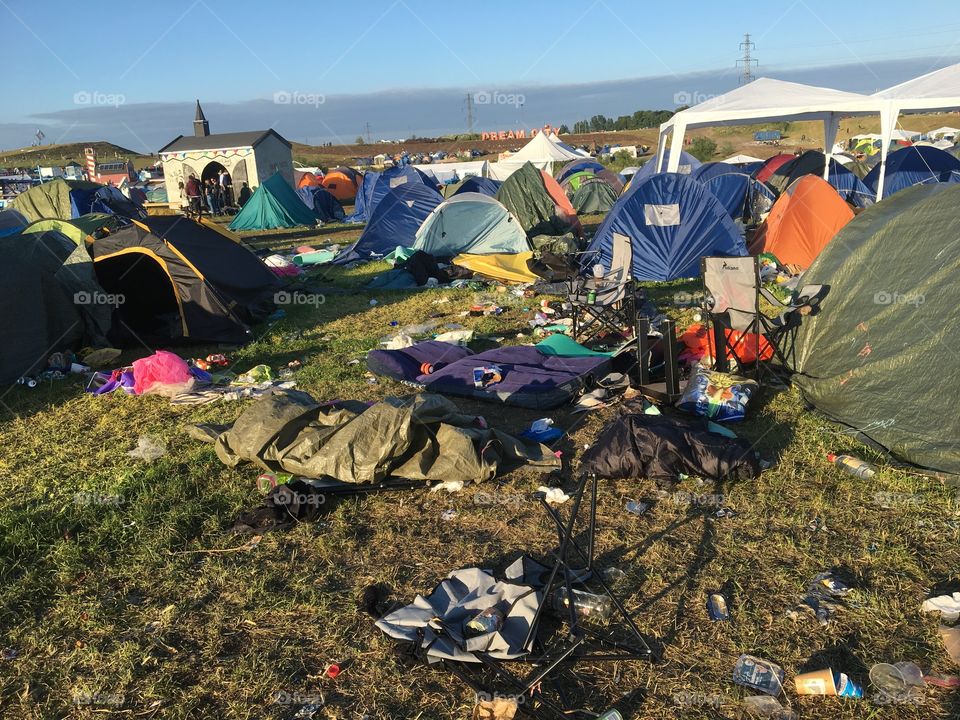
(640, 120)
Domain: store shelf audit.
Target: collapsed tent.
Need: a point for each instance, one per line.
(182, 281)
(538, 202)
(66, 199)
(672, 222)
(472, 184)
(502, 267)
(470, 223)
(50, 300)
(915, 166)
(423, 437)
(376, 186)
(273, 205)
(803, 220)
(877, 356)
(324, 205)
(593, 195)
(395, 222)
(343, 183)
(82, 230)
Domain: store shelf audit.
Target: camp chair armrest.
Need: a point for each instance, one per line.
(774, 300)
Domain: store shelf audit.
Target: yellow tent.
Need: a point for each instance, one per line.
(499, 266)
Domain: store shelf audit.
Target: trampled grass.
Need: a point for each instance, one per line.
(121, 602)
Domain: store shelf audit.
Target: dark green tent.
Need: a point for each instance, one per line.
(593, 196)
(49, 299)
(538, 202)
(880, 355)
(273, 205)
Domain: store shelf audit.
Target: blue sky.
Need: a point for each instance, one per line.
(405, 65)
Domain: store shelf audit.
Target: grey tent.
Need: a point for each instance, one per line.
(470, 223)
(50, 301)
(593, 196)
(878, 356)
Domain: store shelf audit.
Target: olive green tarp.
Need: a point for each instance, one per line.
(52, 199)
(879, 355)
(80, 230)
(593, 196)
(423, 437)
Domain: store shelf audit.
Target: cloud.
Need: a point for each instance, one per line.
(308, 116)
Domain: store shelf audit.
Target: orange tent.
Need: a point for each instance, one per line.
(308, 179)
(802, 221)
(564, 208)
(343, 183)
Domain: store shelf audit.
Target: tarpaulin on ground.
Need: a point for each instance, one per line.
(423, 437)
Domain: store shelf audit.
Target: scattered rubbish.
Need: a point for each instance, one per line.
(455, 337)
(255, 375)
(824, 596)
(898, 682)
(718, 396)
(827, 682)
(148, 449)
(8, 654)
(759, 674)
(610, 715)
(764, 706)
(947, 605)
(27, 381)
(448, 515)
(587, 605)
(852, 465)
(307, 712)
(946, 682)
(268, 481)
(817, 525)
(495, 708)
(451, 486)
(717, 607)
(333, 670)
(373, 301)
(543, 431)
(637, 508)
(487, 621)
(614, 576)
(951, 640)
(99, 357)
(487, 375)
(725, 512)
(553, 495)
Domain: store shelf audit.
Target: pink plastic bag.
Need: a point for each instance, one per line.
(162, 373)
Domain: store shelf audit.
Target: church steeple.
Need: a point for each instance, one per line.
(201, 128)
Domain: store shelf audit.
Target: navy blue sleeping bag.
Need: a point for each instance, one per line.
(406, 364)
(530, 378)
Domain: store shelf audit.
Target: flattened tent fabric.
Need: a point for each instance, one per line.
(395, 222)
(803, 220)
(672, 221)
(44, 279)
(540, 205)
(343, 182)
(183, 281)
(915, 165)
(874, 357)
(505, 267)
(66, 199)
(473, 184)
(273, 205)
(324, 205)
(470, 223)
(593, 196)
(530, 378)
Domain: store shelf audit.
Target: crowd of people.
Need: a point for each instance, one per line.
(213, 195)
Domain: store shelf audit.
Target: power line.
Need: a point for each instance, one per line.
(470, 113)
(746, 63)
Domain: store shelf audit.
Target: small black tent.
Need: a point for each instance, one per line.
(182, 281)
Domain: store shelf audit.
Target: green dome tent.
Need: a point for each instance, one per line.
(593, 196)
(877, 357)
(273, 205)
(470, 223)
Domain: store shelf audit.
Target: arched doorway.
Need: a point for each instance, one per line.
(211, 171)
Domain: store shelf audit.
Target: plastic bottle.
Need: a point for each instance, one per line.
(488, 621)
(586, 604)
(852, 465)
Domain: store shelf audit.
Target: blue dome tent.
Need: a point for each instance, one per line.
(394, 222)
(915, 165)
(672, 221)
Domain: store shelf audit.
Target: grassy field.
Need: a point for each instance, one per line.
(139, 604)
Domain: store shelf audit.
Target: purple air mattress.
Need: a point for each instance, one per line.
(405, 364)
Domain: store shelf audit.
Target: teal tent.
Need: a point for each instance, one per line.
(273, 205)
(470, 223)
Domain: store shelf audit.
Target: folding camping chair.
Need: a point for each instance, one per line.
(549, 654)
(608, 303)
(732, 292)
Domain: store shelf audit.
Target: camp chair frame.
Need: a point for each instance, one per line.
(741, 312)
(616, 296)
(573, 565)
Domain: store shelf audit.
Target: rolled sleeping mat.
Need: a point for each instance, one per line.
(318, 257)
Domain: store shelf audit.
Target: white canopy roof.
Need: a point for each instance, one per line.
(542, 149)
(742, 159)
(943, 131)
(937, 90)
(569, 148)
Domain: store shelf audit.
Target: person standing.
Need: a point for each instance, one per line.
(194, 191)
(226, 182)
(244, 195)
